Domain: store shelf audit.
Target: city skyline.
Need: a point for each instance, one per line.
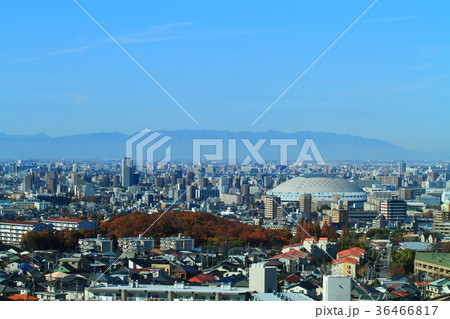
(225, 64)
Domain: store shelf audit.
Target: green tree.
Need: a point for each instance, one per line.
(375, 283)
(405, 260)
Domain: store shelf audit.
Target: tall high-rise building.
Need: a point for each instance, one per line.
(52, 182)
(28, 183)
(31, 182)
(393, 209)
(127, 172)
(190, 193)
(272, 207)
(177, 174)
(305, 204)
(203, 182)
(401, 167)
(237, 182)
(245, 189)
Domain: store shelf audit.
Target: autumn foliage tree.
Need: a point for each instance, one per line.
(205, 228)
(65, 240)
(41, 241)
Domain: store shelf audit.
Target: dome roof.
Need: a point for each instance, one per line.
(318, 185)
(322, 188)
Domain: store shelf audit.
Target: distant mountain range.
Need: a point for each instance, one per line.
(108, 146)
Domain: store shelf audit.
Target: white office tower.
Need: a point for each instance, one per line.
(336, 288)
(263, 279)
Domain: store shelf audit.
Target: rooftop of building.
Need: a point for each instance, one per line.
(441, 259)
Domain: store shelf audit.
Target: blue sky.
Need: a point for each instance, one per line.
(225, 62)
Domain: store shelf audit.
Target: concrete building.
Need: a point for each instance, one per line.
(436, 265)
(393, 210)
(262, 278)
(178, 291)
(442, 228)
(273, 208)
(11, 231)
(205, 193)
(70, 224)
(305, 205)
(127, 173)
(177, 243)
(336, 288)
(230, 199)
(339, 215)
(441, 217)
(99, 244)
(136, 244)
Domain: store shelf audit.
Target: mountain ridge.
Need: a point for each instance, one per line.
(104, 145)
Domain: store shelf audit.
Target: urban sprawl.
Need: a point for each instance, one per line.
(344, 231)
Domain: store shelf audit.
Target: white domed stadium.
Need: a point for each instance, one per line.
(320, 188)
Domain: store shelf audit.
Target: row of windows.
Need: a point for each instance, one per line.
(433, 268)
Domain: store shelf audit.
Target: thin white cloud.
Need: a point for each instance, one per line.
(73, 50)
(154, 33)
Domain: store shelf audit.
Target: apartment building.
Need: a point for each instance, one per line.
(70, 224)
(11, 231)
(177, 243)
(99, 244)
(136, 244)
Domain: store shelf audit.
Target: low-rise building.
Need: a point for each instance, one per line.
(70, 224)
(442, 228)
(436, 265)
(136, 244)
(178, 291)
(345, 266)
(99, 244)
(177, 243)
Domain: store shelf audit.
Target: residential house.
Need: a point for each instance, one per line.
(345, 266)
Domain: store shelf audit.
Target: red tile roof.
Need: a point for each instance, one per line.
(292, 278)
(23, 298)
(345, 259)
(202, 278)
(293, 254)
(355, 251)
